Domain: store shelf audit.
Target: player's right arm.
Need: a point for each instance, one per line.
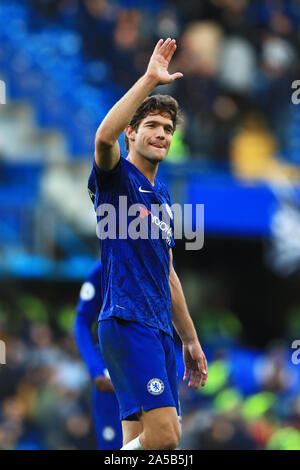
(107, 150)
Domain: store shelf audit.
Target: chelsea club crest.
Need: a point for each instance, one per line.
(155, 386)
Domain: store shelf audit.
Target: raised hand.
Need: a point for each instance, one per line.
(160, 60)
(195, 362)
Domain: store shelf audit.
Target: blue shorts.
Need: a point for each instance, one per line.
(142, 366)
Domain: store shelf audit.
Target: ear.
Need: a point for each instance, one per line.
(130, 133)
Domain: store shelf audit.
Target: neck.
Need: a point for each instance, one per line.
(147, 167)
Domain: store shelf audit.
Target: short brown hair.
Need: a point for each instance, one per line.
(156, 104)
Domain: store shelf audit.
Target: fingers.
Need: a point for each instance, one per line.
(171, 49)
(186, 373)
(158, 45)
(199, 375)
(176, 75)
(205, 365)
(198, 369)
(204, 371)
(204, 378)
(166, 48)
(195, 379)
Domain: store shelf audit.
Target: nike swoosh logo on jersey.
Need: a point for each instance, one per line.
(144, 190)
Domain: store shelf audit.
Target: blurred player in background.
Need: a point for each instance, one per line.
(104, 402)
(142, 294)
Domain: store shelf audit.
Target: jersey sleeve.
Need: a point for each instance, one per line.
(101, 182)
(88, 308)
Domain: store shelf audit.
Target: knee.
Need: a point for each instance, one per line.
(167, 437)
(170, 441)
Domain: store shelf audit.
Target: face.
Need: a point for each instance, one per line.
(153, 137)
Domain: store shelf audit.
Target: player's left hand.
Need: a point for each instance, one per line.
(195, 363)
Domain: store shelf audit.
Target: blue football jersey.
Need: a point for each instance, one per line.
(135, 269)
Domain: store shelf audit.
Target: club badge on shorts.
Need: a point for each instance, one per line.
(155, 386)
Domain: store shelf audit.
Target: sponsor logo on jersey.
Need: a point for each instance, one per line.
(163, 226)
(143, 212)
(169, 211)
(144, 190)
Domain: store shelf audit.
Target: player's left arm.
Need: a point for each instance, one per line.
(193, 355)
(88, 351)
(86, 315)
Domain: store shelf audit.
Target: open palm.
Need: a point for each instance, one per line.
(160, 60)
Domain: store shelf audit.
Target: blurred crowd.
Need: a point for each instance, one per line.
(251, 400)
(45, 388)
(239, 59)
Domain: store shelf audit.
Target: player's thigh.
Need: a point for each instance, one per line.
(131, 430)
(171, 367)
(160, 420)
